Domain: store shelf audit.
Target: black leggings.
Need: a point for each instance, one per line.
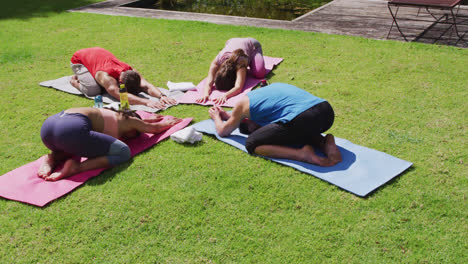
(301, 130)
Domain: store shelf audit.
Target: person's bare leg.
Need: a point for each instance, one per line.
(47, 166)
(74, 82)
(72, 167)
(304, 154)
(331, 150)
(50, 161)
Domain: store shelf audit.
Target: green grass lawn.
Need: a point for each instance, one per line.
(211, 203)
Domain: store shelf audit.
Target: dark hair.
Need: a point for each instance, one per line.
(244, 128)
(131, 114)
(126, 114)
(225, 77)
(132, 81)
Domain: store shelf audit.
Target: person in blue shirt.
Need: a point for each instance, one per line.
(278, 116)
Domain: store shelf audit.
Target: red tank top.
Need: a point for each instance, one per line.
(98, 59)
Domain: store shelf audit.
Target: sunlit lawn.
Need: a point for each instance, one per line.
(210, 203)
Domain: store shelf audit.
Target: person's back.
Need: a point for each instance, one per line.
(233, 44)
(98, 59)
(279, 102)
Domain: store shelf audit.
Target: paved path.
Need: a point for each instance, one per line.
(365, 18)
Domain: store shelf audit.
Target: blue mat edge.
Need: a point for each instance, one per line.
(201, 127)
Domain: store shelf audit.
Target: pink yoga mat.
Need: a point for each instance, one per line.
(251, 82)
(23, 184)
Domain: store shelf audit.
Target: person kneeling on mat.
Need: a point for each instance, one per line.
(228, 71)
(96, 69)
(93, 133)
(279, 115)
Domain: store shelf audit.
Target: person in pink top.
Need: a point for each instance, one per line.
(96, 67)
(95, 133)
(228, 71)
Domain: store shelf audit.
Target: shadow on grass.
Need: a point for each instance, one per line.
(109, 174)
(24, 9)
(394, 180)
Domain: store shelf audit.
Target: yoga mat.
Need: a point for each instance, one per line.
(63, 84)
(362, 170)
(190, 96)
(23, 184)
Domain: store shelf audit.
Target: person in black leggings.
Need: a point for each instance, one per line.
(277, 116)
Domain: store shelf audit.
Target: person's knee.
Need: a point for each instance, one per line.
(259, 73)
(119, 153)
(258, 67)
(90, 90)
(251, 145)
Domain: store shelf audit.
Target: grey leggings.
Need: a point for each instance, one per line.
(72, 133)
(88, 84)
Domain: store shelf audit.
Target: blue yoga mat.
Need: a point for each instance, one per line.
(362, 170)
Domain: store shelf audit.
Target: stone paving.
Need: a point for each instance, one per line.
(364, 18)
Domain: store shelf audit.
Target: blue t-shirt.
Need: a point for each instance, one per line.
(279, 102)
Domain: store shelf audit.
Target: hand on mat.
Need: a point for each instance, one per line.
(154, 118)
(216, 112)
(220, 100)
(167, 101)
(203, 99)
(168, 124)
(154, 104)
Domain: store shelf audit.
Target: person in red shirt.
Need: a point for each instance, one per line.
(97, 68)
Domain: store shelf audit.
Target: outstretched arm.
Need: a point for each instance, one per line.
(153, 125)
(232, 121)
(112, 87)
(210, 82)
(152, 90)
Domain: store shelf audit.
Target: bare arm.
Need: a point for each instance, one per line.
(239, 112)
(149, 88)
(152, 90)
(153, 126)
(112, 87)
(210, 82)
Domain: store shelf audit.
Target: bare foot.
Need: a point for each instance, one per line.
(331, 150)
(70, 167)
(46, 167)
(311, 157)
(74, 82)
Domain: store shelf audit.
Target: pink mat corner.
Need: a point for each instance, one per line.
(190, 96)
(23, 184)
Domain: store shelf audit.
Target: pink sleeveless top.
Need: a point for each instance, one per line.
(236, 43)
(110, 122)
